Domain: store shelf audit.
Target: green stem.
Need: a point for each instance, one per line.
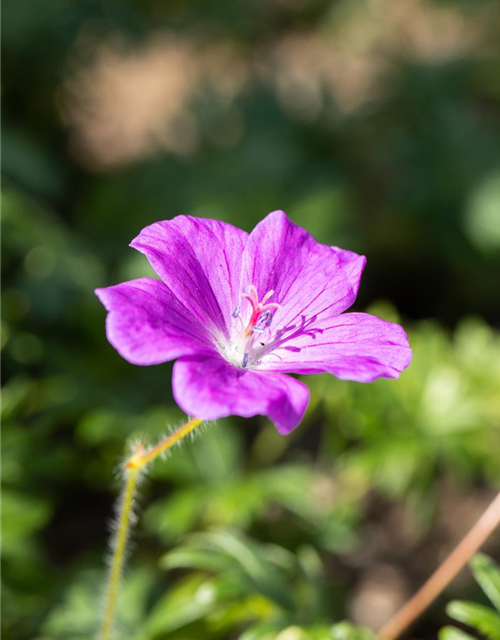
(118, 558)
(133, 467)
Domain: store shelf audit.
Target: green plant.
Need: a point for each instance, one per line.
(482, 618)
(262, 590)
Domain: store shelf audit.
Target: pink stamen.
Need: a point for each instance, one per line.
(258, 308)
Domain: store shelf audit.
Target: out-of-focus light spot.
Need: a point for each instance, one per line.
(205, 594)
(483, 214)
(382, 591)
(26, 348)
(130, 102)
(40, 262)
(291, 633)
(59, 389)
(349, 61)
(122, 102)
(446, 403)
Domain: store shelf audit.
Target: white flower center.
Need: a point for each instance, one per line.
(248, 341)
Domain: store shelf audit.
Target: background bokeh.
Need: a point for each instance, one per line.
(375, 124)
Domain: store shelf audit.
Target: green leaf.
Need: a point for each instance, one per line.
(283, 630)
(190, 557)
(22, 515)
(451, 633)
(262, 631)
(487, 575)
(176, 515)
(78, 616)
(347, 631)
(193, 598)
(262, 574)
(476, 615)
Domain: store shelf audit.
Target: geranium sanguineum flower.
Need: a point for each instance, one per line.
(238, 311)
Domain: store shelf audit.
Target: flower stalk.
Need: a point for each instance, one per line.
(442, 577)
(133, 467)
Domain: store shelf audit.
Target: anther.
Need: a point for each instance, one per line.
(245, 360)
(236, 312)
(266, 318)
(257, 329)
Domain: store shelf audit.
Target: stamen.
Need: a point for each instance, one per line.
(250, 331)
(261, 311)
(266, 318)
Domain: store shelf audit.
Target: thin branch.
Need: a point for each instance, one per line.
(439, 580)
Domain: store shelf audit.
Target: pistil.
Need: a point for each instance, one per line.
(240, 351)
(261, 311)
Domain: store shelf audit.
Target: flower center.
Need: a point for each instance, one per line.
(242, 350)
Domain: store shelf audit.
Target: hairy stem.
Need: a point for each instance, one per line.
(119, 549)
(442, 577)
(133, 466)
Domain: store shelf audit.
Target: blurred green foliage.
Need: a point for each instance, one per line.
(484, 619)
(243, 533)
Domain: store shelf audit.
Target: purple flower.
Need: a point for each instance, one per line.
(238, 311)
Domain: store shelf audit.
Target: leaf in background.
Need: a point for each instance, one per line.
(78, 616)
(348, 631)
(193, 598)
(15, 394)
(250, 564)
(451, 633)
(283, 631)
(487, 574)
(186, 557)
(262, 631)
(21, 516)
(477, 616)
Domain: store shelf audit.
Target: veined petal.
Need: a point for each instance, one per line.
(303, 274)
(208, 387)
(352, 346)
(200, 262)
(146, 324)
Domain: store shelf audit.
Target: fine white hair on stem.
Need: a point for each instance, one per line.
(132, 470)
(114, 526)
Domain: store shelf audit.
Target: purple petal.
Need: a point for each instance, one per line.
(200, 261)
(304, 274)
(352, 346)
(147, 325)
(208, 387)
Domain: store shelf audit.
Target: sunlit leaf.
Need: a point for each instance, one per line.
(487, 574)
(477, 616)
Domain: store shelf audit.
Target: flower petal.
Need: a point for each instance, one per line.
(200, 261)
(303, 274)
(146, 324)
(352, 346)
(208, 387)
